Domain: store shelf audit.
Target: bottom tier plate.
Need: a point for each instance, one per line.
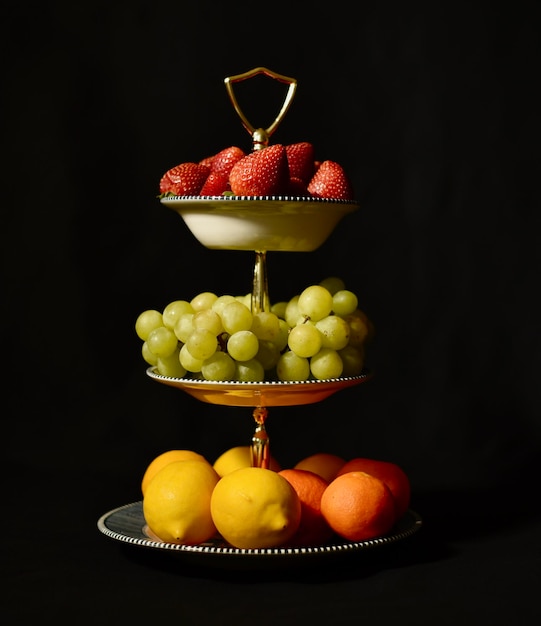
(127, 524)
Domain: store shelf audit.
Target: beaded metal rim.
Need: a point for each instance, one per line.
(307, 199)
(224, 384)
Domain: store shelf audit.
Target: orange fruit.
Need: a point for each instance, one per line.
(164, 459)
(313, 529)
(358, 506)
(391, 474)
(324, 464)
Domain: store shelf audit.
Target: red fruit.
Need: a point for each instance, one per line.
(297, 187)
(207, 161)
(264, 172)
(185, 179)
(226, 158)
(331, 181)
(300, 158)
(216, 184)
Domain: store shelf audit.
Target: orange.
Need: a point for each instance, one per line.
(164, 459)
(313, 529)
(358, 506)
(391, 474)
(324, 464)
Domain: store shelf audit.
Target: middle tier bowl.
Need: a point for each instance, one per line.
(263, 394)
(269, 223)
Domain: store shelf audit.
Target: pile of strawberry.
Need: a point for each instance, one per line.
(276, 170)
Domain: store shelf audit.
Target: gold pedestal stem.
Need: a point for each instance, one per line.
(260, 288)
(260, 440)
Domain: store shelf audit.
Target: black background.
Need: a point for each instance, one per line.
(434, 113)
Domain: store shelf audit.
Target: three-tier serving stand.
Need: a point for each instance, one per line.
(260, 224)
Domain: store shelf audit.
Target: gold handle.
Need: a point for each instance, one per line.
(260, 136)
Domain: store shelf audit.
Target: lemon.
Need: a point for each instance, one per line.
(325, 464)
(176, 504)
(238, 457)
(253, 507)
(164, 459)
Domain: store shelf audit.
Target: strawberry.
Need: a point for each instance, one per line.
(185, 179)
(331, 181)
(207, 161)
(300, 158)
(297, 187)
(263, 172)
(216, 184)
(226, 158)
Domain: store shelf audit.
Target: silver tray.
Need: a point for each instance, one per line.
(126, 524)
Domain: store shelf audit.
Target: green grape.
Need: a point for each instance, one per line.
(188, 362)
(202, 344)
(358, 328)
(326, 364)
(170, 365)
(148, 356)
(268, 354)
(222, 301)
(281, 340)
(219, 367)
(333, 284)
(344, 302)
(236, 316)
(249, 371)
(162, 341)
(292, 367)
(265, 325)
(146, 322)
(292, 315)
(203, 300)
(209, 320)
(246, 300)
(174, 310)
(304, 340)
(315, 302)
(279, 309)
(184, 327)
(353, 360)
(243, 345)
(334, 331)
(319, 333)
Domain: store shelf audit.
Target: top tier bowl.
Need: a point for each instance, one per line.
(265, 223)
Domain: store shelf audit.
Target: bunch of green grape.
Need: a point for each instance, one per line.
(319, 334)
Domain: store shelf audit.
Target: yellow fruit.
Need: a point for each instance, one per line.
(324, 464)
(176, 505)
(237, 457)
(164, 459)
(254, 507)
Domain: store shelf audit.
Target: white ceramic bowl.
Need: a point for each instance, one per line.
(265, 223)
